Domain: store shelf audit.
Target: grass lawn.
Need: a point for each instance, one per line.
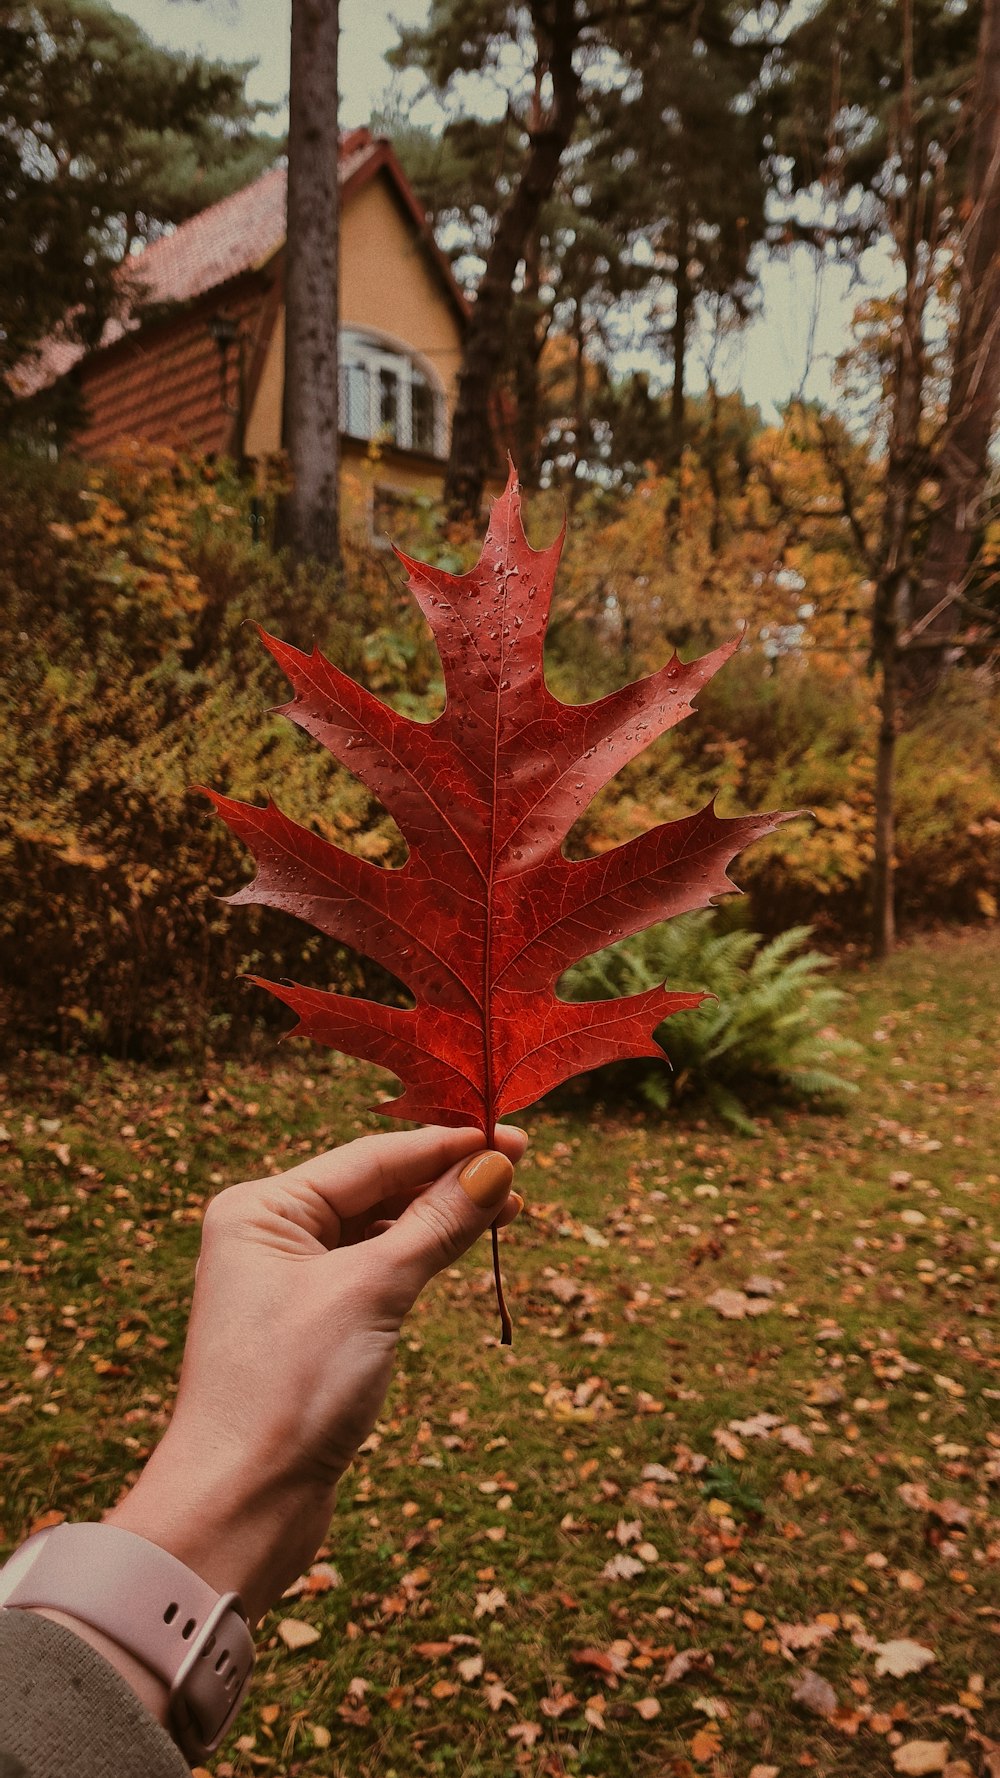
(649, 1540)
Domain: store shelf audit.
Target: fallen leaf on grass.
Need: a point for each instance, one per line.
(489, 1603)
(735, 1305)
(608, 1663)
(558, 1704)
(525, 1732)
(471, 1668)
(799, 1636)
(814, 1693)
(295, 1633)
(759, 1426)
(764, 1771)
(915, 1758)
(705, 1743)
(647, 1708)
(950, 1512)
(796, 1440)
(622, 1567)
(682, 1662)
(322, 1577)
(496, 1694)
(730, 1444)
(901, 1657)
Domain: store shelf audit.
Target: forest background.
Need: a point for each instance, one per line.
(656, 159)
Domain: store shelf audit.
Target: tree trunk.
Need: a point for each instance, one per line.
(975, 381)
(530, 331)
(883, 935)
(683, 296)
(681, 327)
(580, 422)
(915, 231)
(488, 327)
(309, 518)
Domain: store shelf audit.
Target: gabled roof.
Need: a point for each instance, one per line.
(239, 234)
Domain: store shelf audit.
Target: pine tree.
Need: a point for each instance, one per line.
(106, 140)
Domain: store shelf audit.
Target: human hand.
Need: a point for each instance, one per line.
(301, 1289)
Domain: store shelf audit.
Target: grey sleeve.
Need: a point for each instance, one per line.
(66, 1713)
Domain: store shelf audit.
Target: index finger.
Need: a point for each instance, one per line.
(366, 1172)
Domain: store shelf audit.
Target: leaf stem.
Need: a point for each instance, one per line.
(506, 1325)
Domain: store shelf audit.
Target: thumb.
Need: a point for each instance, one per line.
(446, 1219)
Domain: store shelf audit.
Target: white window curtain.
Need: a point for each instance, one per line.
(385, 394)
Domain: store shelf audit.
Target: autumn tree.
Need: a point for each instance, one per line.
(660, 184)
(689, 137)
(876, 143)
(106, 140)
(961, 457)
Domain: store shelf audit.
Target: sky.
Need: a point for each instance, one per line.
(803, 319)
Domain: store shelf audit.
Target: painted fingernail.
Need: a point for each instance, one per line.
(486, 1179)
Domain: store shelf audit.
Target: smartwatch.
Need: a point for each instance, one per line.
(196, 1640)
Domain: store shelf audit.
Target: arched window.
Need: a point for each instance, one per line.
(386, 394)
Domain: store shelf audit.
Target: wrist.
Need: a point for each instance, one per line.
(240, 1527)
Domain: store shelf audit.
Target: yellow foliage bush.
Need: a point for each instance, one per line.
(132, 672)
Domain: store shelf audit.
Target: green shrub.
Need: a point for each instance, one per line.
(765, 1037)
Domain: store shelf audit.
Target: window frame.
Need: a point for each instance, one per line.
(376, 357)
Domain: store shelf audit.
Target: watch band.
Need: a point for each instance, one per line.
(197, 1640)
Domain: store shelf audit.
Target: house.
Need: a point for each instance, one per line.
(200, 364)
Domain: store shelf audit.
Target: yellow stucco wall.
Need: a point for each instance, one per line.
(387, 284)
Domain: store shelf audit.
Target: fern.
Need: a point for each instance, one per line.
(766, 1036)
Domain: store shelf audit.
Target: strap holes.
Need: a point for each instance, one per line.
(170, 1613)
(188, 1627)
(223, 1658)
(208, 1647)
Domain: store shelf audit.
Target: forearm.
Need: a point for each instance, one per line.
(241, 1529)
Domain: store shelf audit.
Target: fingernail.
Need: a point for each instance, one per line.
(486, 1179)
(516, 1204)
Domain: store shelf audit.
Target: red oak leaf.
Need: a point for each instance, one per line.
(487, 913)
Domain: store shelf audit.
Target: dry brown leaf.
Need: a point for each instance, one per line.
(728, 1442)
(682, 1662)
(915, 1758)
(471, 1668)
(558, 1704)
(295, 1633)
(496, 1694)
(814, 1693)
(899, 1658)
(525, 1732)
(622, 1567)
(796, 1440)
(705, 1743)
(799, 1636)
(647, 1708)
(732, 1305)
(489, 1603)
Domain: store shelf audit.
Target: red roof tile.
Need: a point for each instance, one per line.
(235, 235)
